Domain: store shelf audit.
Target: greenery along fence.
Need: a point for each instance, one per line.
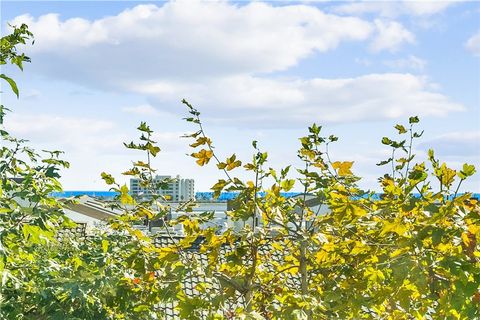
(399, 257)
(199, 286)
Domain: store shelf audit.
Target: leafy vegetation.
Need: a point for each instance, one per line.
(414, 253)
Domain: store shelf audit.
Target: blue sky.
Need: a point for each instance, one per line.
(259, 70)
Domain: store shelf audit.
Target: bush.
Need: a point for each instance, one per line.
(413, 253)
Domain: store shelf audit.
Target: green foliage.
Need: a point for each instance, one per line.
(9, 54)
(399, 257)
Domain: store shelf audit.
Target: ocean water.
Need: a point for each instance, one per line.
(199, 196)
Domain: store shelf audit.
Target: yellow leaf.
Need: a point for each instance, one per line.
(374, 275)
(395, 227)
(104, 246)
(125, 198)
(203, 156)
(232, 163)
(398, 252)
(444, 247)
(277, 246)
(293, 270)
(343, 167)
(466, 239)
(454, 313)
(359, 248)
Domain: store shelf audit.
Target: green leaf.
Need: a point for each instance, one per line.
(288, 184)
(384, 162)
(412, 120)
(12, 83)
(418, 134)
(467, 171)
(144, 127)
(154, 150)
(108, 178)
(401, 129)
(386, 141)
(332, 138)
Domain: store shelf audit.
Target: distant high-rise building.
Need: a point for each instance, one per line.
(174, 189)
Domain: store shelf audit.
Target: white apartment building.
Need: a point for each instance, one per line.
(177, 189)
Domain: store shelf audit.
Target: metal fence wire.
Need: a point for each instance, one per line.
(211, 287)
(192, 280)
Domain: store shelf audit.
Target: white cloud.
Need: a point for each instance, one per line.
(391, 35)
(251, 101)
(220, 56)
(393, 9)
(473, 44)
(426, 8)
(411, 62)
(34, 124)
(142, 110)
(456, 144)
(191, 39)
(92, 146)
(74, 134)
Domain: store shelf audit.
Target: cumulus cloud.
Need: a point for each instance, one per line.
(222, 57)
(393, 9)
(295, 102)
(192, 38)
(473, 44)
(391, 35)
(74, 134)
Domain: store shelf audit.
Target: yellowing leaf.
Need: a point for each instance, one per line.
(288, 184)
(104, 246)
(374, 275)
(395, 227)
(144, 212)
(125, 198)
(359, 248)
(201, 141)
(445, 175)
(343, 168)
(232, 163)
(277, 246)
(203, 156)
(466, 239)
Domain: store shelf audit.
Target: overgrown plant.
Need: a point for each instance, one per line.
(412, 253)
(113, 273)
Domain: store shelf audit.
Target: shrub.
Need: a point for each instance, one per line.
(413, 253)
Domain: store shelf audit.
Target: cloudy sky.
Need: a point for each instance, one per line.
(256, 70)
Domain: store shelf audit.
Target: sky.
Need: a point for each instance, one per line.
(255, 70)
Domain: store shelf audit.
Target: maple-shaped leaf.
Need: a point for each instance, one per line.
(343, 168)
(203, 156)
